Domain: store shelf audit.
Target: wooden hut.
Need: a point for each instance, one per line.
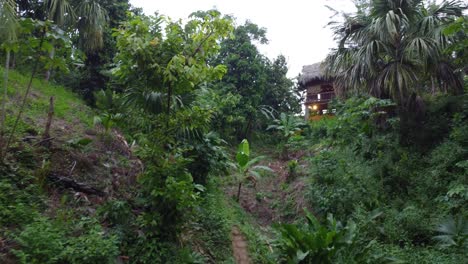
(319, 90)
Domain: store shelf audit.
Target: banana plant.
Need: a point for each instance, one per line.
(246, 166)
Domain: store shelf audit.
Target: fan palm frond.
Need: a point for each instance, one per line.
(389, 50)
(60, 11)
(92, 21)
(8, 20)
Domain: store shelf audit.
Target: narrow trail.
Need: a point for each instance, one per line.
(268, 201)
(239, 246)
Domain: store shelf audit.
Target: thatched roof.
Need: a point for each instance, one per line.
(311, 73)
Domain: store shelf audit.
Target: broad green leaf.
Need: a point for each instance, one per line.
(243, 153)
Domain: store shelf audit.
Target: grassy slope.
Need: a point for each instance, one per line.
(27, 197)
(68, 107)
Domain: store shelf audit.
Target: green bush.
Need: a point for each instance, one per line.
(341, 180)
(313, 242)
(93, 246)
(17, 207)
(41, 242)
(46, 241)
(208, 155)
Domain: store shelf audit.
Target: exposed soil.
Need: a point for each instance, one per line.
(268, 199)
(239, 247)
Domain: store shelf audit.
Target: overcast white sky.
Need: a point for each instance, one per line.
(296, 28)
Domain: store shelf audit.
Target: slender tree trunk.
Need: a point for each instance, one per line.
(13, 60)
(433, 86)
(50, 115)
(239, 191)
(48, 72)
(168, 110)
(247, 129)
(4, 99)
(25, 98)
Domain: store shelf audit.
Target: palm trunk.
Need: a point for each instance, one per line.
(4, 99)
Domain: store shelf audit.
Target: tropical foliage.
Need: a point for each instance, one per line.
(119, 132)
(313, 242)
(394, 49)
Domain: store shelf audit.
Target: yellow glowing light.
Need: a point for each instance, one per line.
(314, 107)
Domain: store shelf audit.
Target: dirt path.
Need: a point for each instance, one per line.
(239, 247)
(275, 198)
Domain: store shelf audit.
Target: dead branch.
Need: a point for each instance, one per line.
(43, 140)
(76, 186)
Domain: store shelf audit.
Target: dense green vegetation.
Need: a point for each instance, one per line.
(128, 138)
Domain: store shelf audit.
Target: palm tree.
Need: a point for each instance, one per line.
(453, 232)
(288, 126)
(393, 49)
(88, 17)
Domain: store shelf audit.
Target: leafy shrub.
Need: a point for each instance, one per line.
(443, 113)
(41, 242)
(361, 121)
(168, 193)
(116, 212)
(313, 242)
(92, 246)
(16, 207)
(208, 155)
(407, 225)
(19, 197)
(342, 180)
(143, 249)
(45, 241)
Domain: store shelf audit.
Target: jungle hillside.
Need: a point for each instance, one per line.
(134, 138)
